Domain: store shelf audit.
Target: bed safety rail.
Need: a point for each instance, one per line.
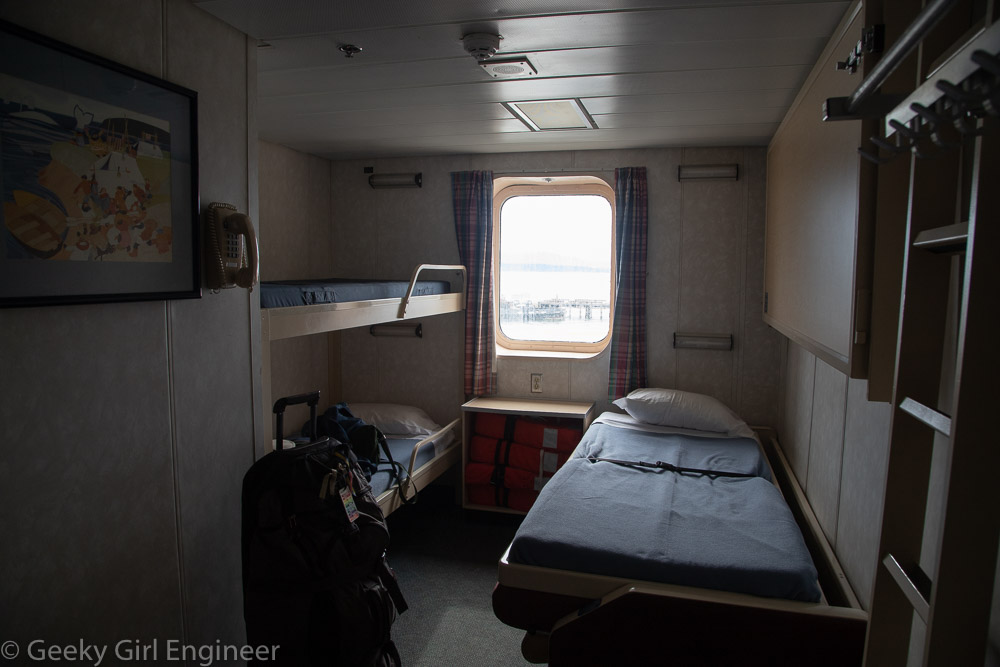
(406, 488)
(429, 267)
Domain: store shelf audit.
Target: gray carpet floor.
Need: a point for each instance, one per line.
(446, 561)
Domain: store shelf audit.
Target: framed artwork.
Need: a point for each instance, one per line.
(98, 179)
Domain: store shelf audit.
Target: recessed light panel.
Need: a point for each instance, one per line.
(538, 115)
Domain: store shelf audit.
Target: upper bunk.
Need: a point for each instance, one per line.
(335, 305)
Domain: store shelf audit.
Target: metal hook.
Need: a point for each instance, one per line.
(962, 98)
(987, 61)
(936, 123)
(912, 136)
(872, 157)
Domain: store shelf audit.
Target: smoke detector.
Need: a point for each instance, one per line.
(481, 45)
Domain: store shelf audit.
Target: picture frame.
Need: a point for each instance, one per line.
(99, 193)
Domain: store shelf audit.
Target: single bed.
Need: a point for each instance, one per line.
(713, 568)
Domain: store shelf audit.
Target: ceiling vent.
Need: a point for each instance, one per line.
(481, 45)
(508, 68)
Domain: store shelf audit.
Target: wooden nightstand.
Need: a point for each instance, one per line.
(550, 415)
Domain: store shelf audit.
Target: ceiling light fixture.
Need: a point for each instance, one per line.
(538, 115)
(396, 180)
(708, 172)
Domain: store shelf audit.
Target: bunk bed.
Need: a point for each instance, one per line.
(291, 309)
(718, 560)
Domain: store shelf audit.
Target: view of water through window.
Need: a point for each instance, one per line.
(555, 268)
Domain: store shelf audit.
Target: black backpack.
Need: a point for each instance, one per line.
(368, 443)
(316, 582)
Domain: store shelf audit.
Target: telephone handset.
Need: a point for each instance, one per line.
(232, 249)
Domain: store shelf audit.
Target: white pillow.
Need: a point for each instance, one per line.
(394, 419)
(681, 409)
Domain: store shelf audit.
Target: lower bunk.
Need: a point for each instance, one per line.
(419, 449)
(662, 544)
(424, 459)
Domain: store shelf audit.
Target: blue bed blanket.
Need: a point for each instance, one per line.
(726, 533)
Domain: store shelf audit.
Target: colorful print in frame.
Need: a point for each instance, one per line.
(98, 179)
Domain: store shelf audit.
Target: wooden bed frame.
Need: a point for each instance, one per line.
(294, 321)
(574, 618)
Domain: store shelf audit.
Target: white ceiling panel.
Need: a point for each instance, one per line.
(652, 83)
(655, 73)
(293, 18)
(557, 33)
(735, 99)
(549, 64)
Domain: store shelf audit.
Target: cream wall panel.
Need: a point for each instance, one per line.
(713, 221)
(353, 224)
(838, 442)
(516, 163)
(866, 450)
(298, 366)
(760, 350)
(360, 353)
(294, 228)
(800, 374)
(86, 477)
(404, 363)
(211, 340)
(826, 446)
(663, 253)
(143, 411)
(90, 28)
(514, 374)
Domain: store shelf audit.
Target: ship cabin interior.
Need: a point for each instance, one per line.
(761, 233)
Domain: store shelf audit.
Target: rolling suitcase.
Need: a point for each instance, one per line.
(316, 583)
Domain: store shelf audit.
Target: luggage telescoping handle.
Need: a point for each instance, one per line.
(312, 399)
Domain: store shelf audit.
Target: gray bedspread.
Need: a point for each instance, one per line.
(725, 533)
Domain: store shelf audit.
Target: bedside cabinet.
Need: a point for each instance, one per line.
(512, 446)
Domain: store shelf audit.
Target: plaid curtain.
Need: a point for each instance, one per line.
(472, 196)
(628, 333)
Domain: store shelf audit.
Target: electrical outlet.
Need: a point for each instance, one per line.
(536, 383)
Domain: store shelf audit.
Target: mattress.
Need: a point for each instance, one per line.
(726, 533)
(285, 293)
(400, 448)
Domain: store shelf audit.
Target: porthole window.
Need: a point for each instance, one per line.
(554, 263)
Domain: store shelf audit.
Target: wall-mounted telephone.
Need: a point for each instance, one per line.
(231, 259)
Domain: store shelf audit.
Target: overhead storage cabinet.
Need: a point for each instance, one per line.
(820, 217)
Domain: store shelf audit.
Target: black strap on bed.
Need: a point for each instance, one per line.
(663, 465)
(397, 472)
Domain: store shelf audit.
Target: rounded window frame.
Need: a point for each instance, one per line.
(505, 187)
